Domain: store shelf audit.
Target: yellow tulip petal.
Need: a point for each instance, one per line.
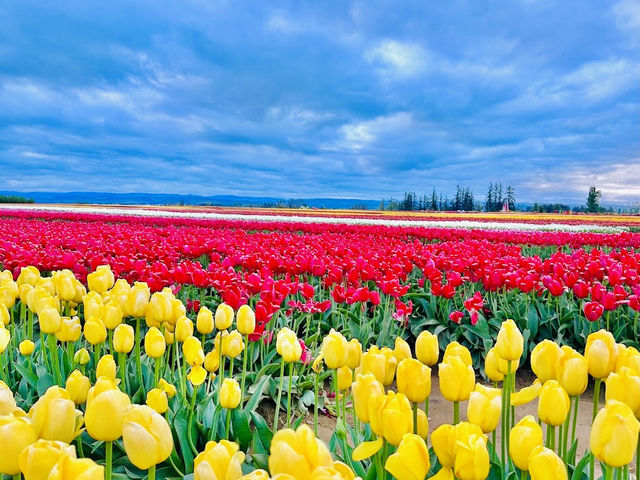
(366, 450)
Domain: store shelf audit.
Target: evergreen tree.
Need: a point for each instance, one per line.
(593, 200)
(511, 198)
(488, 204)
(434, 200)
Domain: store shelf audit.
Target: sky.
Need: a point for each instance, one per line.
(352, 98)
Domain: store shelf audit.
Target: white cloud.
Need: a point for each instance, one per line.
(397, 58)
(627, 16)
(358, 135)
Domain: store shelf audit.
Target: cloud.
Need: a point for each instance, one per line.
(397, 58)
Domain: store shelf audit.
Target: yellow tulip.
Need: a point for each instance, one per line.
(37, 460)
(411, 460)
(573, 372)
(5, 317)
(55, 417)
(106, 405)
(443, 440)
(401, 349)
(391, 364)
(16, 434)
(553, 403)
(112, 315)
(93, 305)
(544, 360)
(123, 338)
(77, 386)
(364, 389)
(526, 394)
(614, 434)
(427, 348)
(455, 349)
(414, 380)
(628, 357)
(7, 401)
(29, 275)
(101, 280)
(230, 393)
(375, 363)
(138, 299)
(457, 379)
(159, 309)
(485, 407)
(65, 284)
(197, 375)
(70, 329)
(49, 319)
(192, 350)
(471, 458)
(256, 475)
(81, 357)
(334, 350)
(601, 353)
(391, 416)
(509, 343)
(184, 329)
(219, 461)
(212, 361)
(95, 331)
(146, 436)
(154, 343)
(157, 399)
(5, 338)
(525, 436)
(204, 321)
(70, 468)
(297, 453)
(232, 344)
(287, 345)
(245, 320)
(167, 387)
(337, 471)
(179, 310)
(624, 386)
(345, 378)
(26, 347)
(107, 367)
(354, 353)
(544, 464)
(223, 316)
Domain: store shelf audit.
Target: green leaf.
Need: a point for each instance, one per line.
(241, 430)
(180, 424)
(262, 429)
(258, 393)
(579, 471)
(44, 382)
(30, 377)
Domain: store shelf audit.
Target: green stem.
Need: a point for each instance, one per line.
(54, 357)
(152, 473)
(565, 432)
(80, 447)
(315, 405)
(415, 418)
(503, 425)
(107, 460)
(138, 361)
(289, 396)
(523, 475)
(244, 367)
(456, 413)
(228, 423)
(122, 360)
(551, 437)
(426, 407)
(510, 384)
(275, 416)
(156, 374)
(596, 405)
(575, 418)
(608, 472)
(192, 409)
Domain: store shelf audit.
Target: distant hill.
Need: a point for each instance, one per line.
(177, 199)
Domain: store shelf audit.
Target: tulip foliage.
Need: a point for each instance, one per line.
(143, 348)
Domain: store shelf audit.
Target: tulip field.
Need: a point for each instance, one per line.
(169, 344)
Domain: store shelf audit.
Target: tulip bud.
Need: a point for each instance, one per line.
(224, 316)
(138, 299)
(26, 347)
(553, 403)
(573, 372)
(106, 406)
(471, 457)
(524, 438)
(146, 436)
(81, 357)
(427, 348)
(485, 407)
(390, 365)
(401, 349)
(95, 331)
(69, 467)
(16, 434)
(544, 464)
(230, 394)
(204, 321)
(287, 345)
(297, 453)
(221, 460)
(107, 367)
(70, 329)
(374, 362)
(123, 338)
(246, 320)
(77, 386)
(93, 305)
(443, 440)
(391, 416)
(614, 434)
(354, 353)
(457, 378)
(192, 350)
(49, 319)
(37, 460)
(159, 310)
(29, 275)
(184, 329)
(179, 310)
(544, 360)
(345, 378)
(154, 344)
(101, 280)
(112, 315)
(55, 417)
(601, 353)
(212, 361)
(455, 349)
(509, 343)
(414, 380)
(364, 389)
(65, 284)
(157, 399)
(624, 386)
(232, 344)
(334, 350)
(411, 460)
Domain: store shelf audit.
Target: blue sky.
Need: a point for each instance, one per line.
(354, 98)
